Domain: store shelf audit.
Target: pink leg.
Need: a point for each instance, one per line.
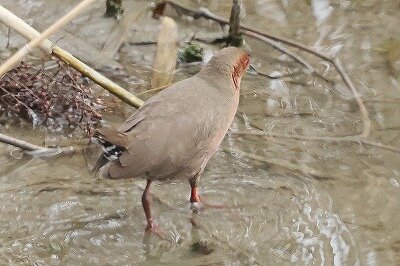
(146, 202)
(195, 204)
(194, 195)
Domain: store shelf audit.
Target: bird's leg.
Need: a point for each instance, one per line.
(195, 204)
(146, 202)
(194, 195)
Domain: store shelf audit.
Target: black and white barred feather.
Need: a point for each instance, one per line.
(111, 152)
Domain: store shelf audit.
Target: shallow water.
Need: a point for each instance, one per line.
(303, 194)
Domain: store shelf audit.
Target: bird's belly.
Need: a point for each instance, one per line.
(184, 171)
(189, 164)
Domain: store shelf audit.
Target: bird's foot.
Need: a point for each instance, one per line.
(196, 206)
(200, 206)
(153, 228)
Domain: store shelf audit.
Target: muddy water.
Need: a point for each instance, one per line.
(302, 194)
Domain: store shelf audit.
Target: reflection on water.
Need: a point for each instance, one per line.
(301, 194)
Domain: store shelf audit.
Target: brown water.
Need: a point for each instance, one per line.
(291, 199)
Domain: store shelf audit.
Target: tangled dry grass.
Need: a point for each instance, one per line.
(52, 95)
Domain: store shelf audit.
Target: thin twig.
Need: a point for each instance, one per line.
(29, 110)
(278, 46)
(8, 37)
(23, 85)
(282, 163)
(353, 138)
(360, 102)
(142, 43)
(252, 68)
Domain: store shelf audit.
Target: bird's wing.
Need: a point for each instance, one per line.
(164, 134)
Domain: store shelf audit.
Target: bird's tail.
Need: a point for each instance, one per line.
(111, 152)
(100, 163)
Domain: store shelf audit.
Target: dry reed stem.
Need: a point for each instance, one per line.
(22, 52)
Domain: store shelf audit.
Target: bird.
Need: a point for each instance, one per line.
(174, 133)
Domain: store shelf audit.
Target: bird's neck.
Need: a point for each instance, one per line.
(221, 78)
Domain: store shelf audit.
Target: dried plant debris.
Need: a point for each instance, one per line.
(53, 95)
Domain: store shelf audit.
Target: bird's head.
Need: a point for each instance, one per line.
(229, 62)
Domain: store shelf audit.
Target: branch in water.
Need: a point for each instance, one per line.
(32, 149)
(303, 168)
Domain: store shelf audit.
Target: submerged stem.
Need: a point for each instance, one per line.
(33, 149)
